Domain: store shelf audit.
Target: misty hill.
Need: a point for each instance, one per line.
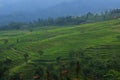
(78, 7)
(31, 10)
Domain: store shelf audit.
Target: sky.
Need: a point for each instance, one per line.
(7, 6)
(13, 6)
(43, 3)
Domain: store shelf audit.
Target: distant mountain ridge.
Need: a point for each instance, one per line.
(78, 7)
(75, 7)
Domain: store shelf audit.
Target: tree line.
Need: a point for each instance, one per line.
(64, 21)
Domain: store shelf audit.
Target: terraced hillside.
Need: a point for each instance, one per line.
(96, 46)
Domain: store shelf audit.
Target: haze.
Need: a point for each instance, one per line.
(27, 10)
(21, 5)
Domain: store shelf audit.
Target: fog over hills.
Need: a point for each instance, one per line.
(27, 10)
(12, 6)
(78, 7)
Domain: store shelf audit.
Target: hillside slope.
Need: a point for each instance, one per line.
(99, 41)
